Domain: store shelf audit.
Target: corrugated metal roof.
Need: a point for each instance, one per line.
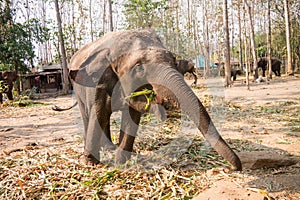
(55, 66)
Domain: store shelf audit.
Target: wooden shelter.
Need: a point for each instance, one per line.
(47, 80)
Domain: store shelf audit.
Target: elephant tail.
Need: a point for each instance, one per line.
(56, 108)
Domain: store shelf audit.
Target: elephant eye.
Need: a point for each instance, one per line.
(139, 69)
(138, 64)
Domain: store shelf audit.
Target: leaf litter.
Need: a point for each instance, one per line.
(55, 172)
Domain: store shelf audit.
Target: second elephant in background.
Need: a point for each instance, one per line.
(184, 66)
(263, 64)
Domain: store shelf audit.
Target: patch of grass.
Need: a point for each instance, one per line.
(297, 134)
(284, 141)
(295, 129)
(287, 103)
(270, 110)
(24, 101)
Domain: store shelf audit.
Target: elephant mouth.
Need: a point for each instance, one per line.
(166, 98)
(158, 99)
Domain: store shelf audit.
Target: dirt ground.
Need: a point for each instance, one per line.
(265, 118)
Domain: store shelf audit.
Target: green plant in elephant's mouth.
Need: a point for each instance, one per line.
(149, 94)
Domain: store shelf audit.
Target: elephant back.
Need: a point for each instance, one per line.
(113, 45)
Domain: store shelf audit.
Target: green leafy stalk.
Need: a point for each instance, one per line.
(149, 99)
(139, 93)
(144, 92)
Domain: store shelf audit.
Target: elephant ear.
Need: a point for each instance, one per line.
(87, 69)
(181, 66)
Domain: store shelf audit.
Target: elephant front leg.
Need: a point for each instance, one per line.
(129, 126)
(9, 93)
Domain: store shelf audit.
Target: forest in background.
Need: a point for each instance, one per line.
(30, 28)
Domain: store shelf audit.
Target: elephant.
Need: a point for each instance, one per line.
(263, 63)
(187, 66)
(105, 73)
(7, 79)
(235, 72)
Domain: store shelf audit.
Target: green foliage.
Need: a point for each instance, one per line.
(262, 46)
(16, 40)
(144, 13)
(14, 48)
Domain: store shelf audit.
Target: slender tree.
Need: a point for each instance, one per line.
(247, 60)
(104, 21)
(252, 39)
(111, 26)
(269, 40)
(91, 20)
(240, 35)
(65, 79)
(73, 32)
(206, 39)
(289, 67)
(177, 25)
(227, 46)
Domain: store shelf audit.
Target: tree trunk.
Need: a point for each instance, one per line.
(74, 40)
(289, 67)
(104, 17)
(269, 40)
(177, 27)
(240, 36)
(110, 15)
(91, 20)
(252, 39)
(206, 40)
(247, 62)
(227, 46)
(65, 78)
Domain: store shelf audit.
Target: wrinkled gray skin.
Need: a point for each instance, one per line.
(186, 66)
(108, 70)
(8, 78)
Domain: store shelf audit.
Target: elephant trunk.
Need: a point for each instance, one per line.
(191, 105)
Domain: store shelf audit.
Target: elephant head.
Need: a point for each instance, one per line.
(124, 62)
(186, 66)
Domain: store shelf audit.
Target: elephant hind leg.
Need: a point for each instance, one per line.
(103, 112)
(10, 94)
(276, 72)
